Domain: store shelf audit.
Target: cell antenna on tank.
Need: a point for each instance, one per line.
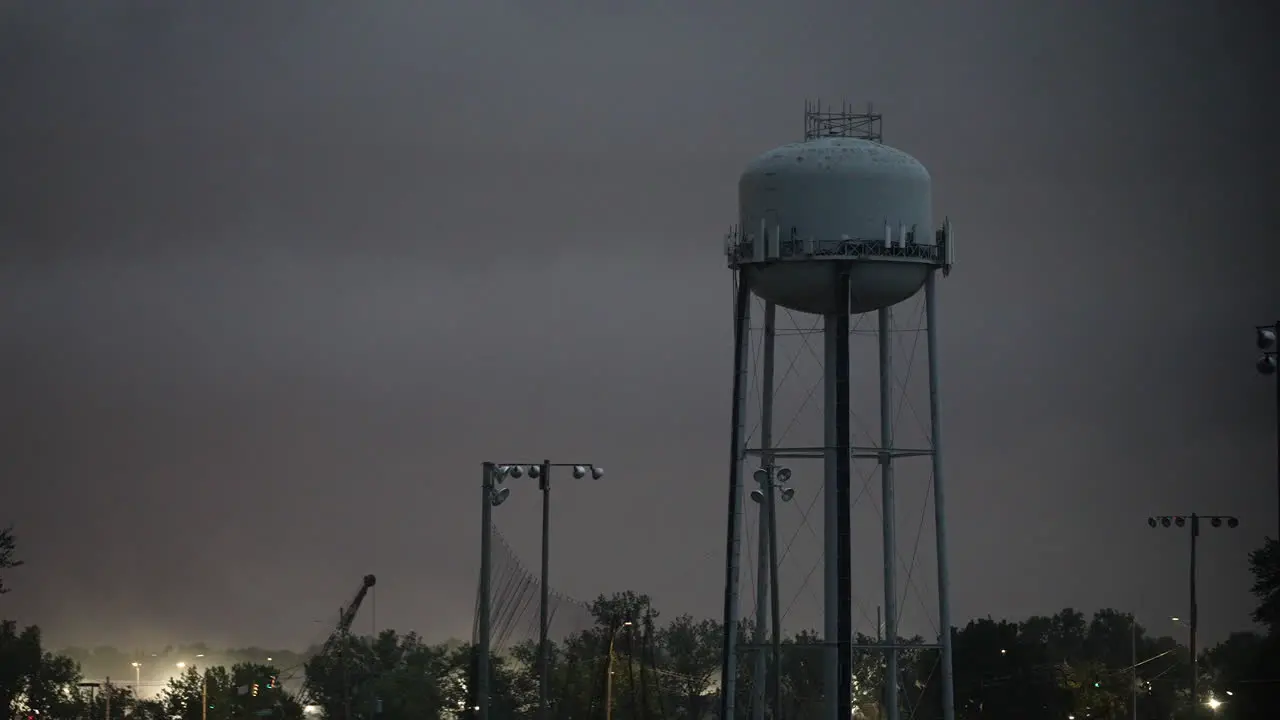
(846, 123)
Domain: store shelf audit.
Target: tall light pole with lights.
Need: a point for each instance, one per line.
(1194, 520)
(493, 495)
(1267, 362)
(773, 481)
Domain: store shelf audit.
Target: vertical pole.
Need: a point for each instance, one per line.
(844, 460)
(544, 647)
(764, 574)
(939, 504)
(762, 607)
(204, 694)
(344, 652)
(733, 539)
(1195, 621)
(608, 678)
(107, 716)
(830, 536)
(486, 551)
(775, 626)
(888, 516)
(1277, 383)
(1133, 654)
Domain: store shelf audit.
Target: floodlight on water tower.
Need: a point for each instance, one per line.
(771, 477)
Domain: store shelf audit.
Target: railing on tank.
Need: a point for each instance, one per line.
(779, 245)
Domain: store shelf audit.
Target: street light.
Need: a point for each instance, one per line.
(137, 678)
(1217, 521)
(493, 495)
(608, 681)
(1267, 362)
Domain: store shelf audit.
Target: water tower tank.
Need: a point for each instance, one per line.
(811, 209)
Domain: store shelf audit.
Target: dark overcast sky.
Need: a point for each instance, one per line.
(276, 277)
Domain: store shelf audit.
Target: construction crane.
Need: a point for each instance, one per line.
(337, 640)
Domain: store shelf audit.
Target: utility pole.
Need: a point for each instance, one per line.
(544, 602)
(346, 675)
(1181, 521)
(204, 695)
(490, 499)
(107, 715)
(1133, 649)
(1266, 340)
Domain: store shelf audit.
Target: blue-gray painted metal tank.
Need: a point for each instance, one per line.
(813, 208)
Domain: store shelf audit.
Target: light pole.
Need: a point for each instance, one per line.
(1193, 619)
(137, 679)
(771, 478)
(1267, 361)
(493, 494)
(1133, 659)
(608, 680)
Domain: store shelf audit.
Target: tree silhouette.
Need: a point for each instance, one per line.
(7, 560)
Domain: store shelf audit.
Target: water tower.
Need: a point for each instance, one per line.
(836, 225)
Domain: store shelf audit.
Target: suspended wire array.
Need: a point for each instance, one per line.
(580, 640)
(514, 610)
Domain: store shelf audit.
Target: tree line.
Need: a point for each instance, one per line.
(1053, 666)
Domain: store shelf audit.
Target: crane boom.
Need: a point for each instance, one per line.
(346, 617)
(349, 614)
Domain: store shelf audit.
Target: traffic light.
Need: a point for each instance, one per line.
(271, 682)
(1097, 684)
(254, 690)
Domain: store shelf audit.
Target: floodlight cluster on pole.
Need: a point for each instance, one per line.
(773, 483)
(773, 478)
(1193, 522)
(496, 492)
(1267, 362)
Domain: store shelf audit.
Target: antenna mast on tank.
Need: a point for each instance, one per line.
(819, 123)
